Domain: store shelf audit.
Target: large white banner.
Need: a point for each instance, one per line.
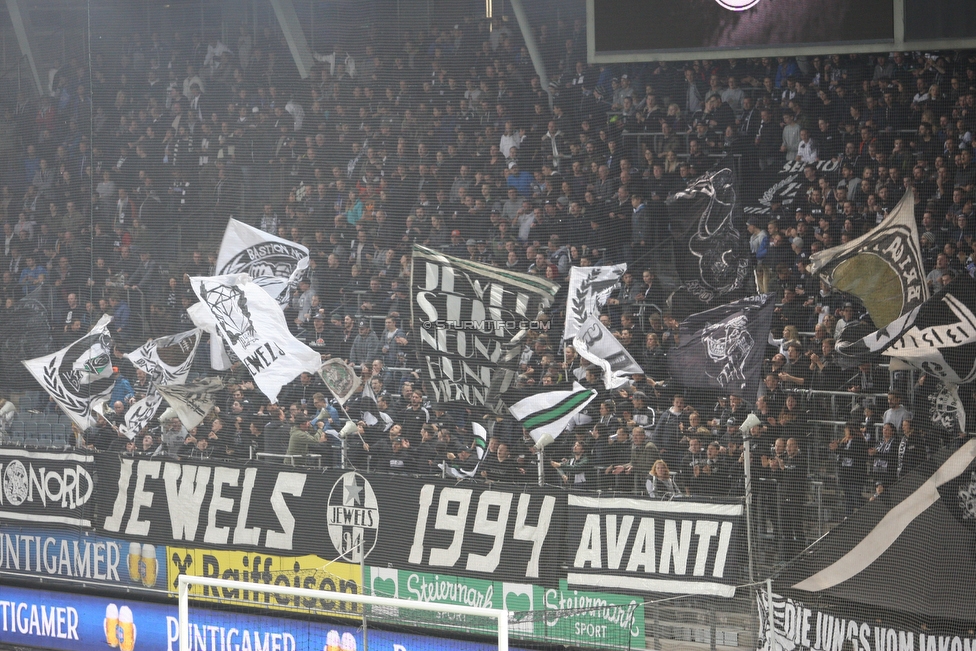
(167, 360)
(274, 263)
(597, 345)
(80, 375)
(253, 325)
(203, 319)
(589, 289)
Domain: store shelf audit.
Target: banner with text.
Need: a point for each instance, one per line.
(540, 614)
(213, 517)
(82, 622)
(640, 545)
(798, 627)
(65, 556)
(47, 487)
(308, 571)
(472, 319)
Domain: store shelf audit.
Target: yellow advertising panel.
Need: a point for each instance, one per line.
(311, 572)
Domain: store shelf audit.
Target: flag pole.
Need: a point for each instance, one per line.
(542, 469)
(747, 463)
(343, 439)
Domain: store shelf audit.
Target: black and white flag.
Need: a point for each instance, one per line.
(204, 320)
(946, 410)
(254, 327)
(942, 339)
(883, 267)
(191, 402)
(589, 289)
(547, 414)
(710, 254)
(723, 348)
(473, 319)
(79, 376)
(274, 263)
(597, 345)
(165, 360)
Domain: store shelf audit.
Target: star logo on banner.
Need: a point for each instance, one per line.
(352, 517)
(351, 491)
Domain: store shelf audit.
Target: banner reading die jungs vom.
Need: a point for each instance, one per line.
(81, 622)
(539, 614)
(73, 558)
(801, 627)
(309, 572)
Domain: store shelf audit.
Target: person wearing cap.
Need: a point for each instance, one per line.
(318, 337)
(300, 438)
(519, 179)
(366, 345)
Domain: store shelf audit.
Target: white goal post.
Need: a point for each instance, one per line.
(186, 581)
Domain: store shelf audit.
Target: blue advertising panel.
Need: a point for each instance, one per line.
(74, 622)
(75, 556)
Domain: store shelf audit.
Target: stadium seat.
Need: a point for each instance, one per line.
(44, 434)
(59, 433)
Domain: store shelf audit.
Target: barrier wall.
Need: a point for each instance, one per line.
(576, 567)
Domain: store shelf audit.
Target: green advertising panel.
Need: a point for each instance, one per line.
(550, 615)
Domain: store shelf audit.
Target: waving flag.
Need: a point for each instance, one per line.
(597, 345)
(79, 376)
(723, 348)
(165, 360)
(191, 402)
(272, 262)
(545, 415)
(473, 319)
(883, 267)
(254, 327)
(589, 289)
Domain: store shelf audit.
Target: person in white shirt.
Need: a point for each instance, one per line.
(806, 151)
(896, 413)
(510, 140)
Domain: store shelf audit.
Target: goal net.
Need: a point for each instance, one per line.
(311, 619)
(435, 612)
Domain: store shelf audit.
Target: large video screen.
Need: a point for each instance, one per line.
(687, 25)
(647, 30)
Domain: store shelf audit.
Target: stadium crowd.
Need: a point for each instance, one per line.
(118, 181)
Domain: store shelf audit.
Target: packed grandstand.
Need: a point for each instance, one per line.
(120, 180)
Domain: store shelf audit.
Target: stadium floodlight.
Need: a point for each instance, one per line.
(229, 586)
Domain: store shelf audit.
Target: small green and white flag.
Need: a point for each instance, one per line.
(546, 415)
(480, 447)
(480, 440)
